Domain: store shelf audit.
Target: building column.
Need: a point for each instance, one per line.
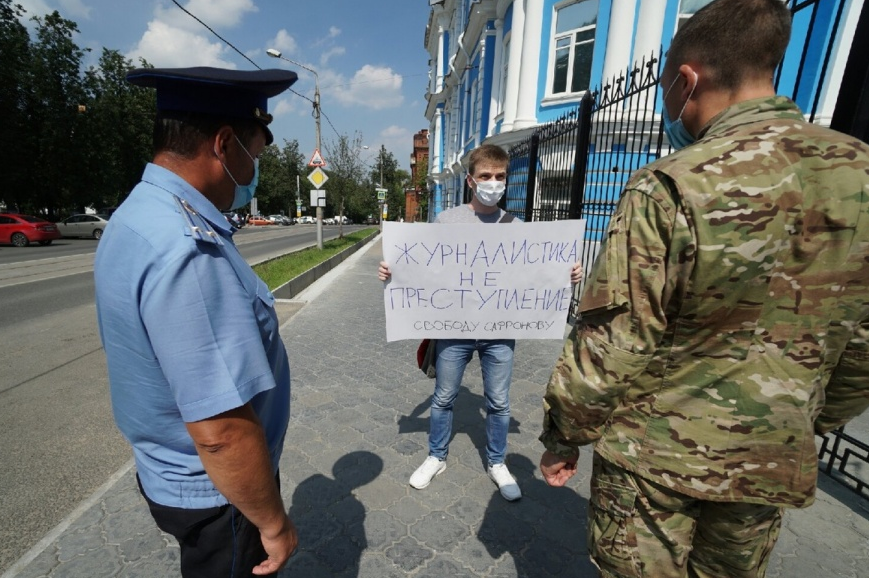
(436, 144)
(514, 67)
(435, 163)
(526, 107)
(443, 21)
(497, 66)
(649, 30)
(618, 45)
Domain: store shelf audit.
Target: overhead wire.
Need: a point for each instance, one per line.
(245, 56)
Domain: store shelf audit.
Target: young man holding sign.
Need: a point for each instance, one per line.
(487, 177)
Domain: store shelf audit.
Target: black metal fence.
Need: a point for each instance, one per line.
(576, 166)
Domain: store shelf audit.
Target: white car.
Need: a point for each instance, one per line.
(279, 220)
(83, 226)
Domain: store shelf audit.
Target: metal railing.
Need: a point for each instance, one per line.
(576, 166)
(845, 459)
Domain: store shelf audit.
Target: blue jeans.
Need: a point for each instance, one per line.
(496, 361)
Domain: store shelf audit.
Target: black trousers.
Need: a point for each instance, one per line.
(215, 542)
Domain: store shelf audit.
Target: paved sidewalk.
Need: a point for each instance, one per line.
(357, 432)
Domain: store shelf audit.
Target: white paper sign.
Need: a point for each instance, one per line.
(469, 281)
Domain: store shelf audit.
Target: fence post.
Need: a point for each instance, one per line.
(531, 183)
(580, 159)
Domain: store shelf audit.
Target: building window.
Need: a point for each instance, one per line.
(573, 46)
(687, 9)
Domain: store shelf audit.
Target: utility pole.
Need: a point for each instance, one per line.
(277, 54)
(317, 122)
(298, 198)
(380, 220)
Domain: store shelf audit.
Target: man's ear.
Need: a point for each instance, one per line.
(690, 74)
(220, 141)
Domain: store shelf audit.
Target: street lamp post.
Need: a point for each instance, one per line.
(379, 203)
(277, 54)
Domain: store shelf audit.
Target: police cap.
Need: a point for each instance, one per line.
(220, 92)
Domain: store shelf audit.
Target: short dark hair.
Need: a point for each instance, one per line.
(487, 153)
(182, 133)
(738, 40)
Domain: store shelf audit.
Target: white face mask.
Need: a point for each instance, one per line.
(489, 192)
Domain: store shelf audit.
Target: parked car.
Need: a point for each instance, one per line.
(83, 226)
(279, 220)
(307, 220)
(21, 230)
(234, 219)
(258, 221)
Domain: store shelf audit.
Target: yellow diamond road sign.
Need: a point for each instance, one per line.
(318, 177)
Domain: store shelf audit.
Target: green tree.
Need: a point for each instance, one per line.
(119, 123)
(391, 178)
(271, 180)
(345, 173)
(276, 192)
(398, 194)
(17, 144)
(55, 116)
(298, 186)
(421, 187)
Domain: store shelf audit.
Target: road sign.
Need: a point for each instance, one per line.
(381, 194)
(318, 178)
(318, 198)
(317, 160)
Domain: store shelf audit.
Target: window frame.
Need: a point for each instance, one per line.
(554, 37)
(682, 16)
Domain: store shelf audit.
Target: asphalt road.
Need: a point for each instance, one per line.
(58, 442)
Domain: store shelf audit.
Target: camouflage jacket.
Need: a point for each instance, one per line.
(726, 319)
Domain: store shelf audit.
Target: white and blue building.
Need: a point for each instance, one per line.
(501, 68)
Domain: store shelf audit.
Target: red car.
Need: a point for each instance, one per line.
(21, 230)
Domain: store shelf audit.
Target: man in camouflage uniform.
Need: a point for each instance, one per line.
(726, 320)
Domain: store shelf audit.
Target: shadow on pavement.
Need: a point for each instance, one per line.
(330, 519)
(541, 541)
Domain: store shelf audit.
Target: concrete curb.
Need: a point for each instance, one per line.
(301, 282)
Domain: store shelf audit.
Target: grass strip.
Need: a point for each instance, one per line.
(278, 271)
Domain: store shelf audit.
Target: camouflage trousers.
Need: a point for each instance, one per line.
(638, 528)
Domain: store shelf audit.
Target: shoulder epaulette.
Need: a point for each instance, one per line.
(195, 225)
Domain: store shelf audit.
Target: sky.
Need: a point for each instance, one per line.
(369, 55)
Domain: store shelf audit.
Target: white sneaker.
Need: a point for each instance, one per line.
(506, 482)
(424, 474)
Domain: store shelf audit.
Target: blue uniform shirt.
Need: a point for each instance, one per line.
(189, 332)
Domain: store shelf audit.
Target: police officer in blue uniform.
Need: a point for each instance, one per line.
(199, 377)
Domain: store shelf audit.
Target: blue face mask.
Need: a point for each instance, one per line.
(676, 132)
(243, 193)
